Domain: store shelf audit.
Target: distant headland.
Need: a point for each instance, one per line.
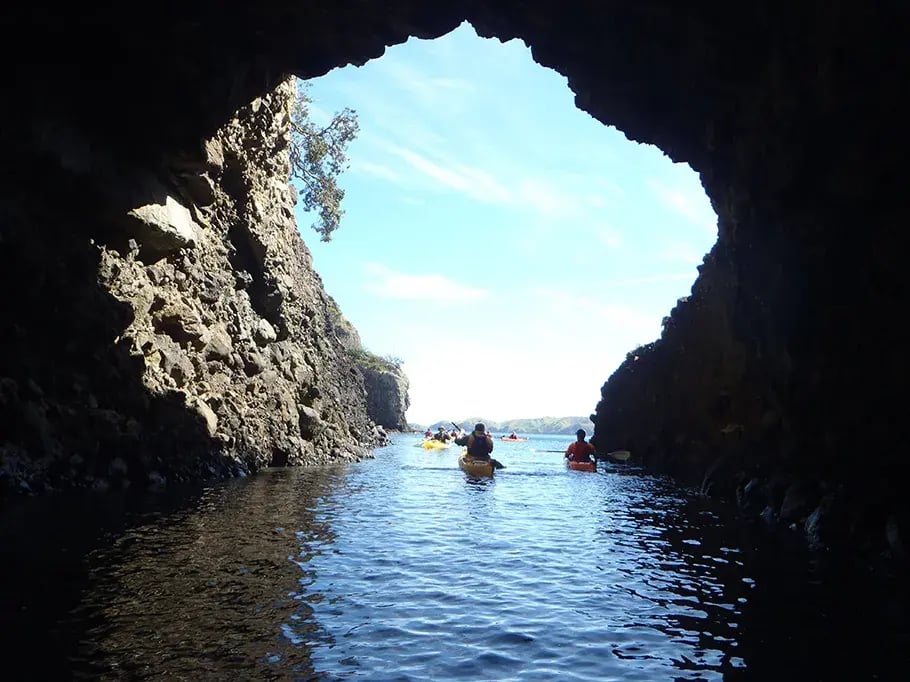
(560, 425)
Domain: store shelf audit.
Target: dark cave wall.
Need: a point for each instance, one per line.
(168, 327)
(786, 360)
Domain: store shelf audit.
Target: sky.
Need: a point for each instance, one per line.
(508, 247)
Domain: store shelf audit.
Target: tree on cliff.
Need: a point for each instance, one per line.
(319, 154)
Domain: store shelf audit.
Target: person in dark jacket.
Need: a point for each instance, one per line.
(478, 442)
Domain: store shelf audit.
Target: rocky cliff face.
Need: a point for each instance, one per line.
(183, 337)
(385, 382)
(387, 396)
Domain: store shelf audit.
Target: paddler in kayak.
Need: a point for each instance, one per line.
(442, 435)
(581, 450)
(478, 442)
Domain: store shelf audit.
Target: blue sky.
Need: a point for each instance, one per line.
(507, 246)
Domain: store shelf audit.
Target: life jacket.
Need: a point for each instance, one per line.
(479, 447)
(579, 451)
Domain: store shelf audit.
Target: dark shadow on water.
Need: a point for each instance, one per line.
(762, 606)
(479, 482)
(220, 582)
(203, 582)
(45, 543)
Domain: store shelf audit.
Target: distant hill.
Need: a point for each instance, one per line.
(560, 425)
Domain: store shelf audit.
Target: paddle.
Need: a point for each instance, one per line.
(496, 463)
(620, 455)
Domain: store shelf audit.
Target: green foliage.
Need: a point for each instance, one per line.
(334, 309)
(318, 157)
(338, 320)
(393, 360)
(364, 358)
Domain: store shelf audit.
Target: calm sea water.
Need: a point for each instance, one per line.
(403, 568)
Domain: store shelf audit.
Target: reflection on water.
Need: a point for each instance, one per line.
(188, 587)
(174, 583)
(405, 568)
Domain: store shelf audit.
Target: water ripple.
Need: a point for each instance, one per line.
(402, 568)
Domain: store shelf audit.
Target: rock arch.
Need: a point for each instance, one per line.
(785, 358)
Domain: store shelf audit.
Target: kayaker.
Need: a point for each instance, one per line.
(442, 435)
(428, 434)
(513, 436)
(478, 442)
(581, 450)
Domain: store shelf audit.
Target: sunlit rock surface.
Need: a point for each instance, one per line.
(189, 340)
(385, 381)
(786, 364)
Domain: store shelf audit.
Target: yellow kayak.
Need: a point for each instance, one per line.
(475, 467)
(436, 445)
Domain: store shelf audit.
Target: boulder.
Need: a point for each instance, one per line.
(206, 412)
(179, 321)
(264, 332)
(163, 228)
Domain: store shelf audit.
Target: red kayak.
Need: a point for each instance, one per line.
(582, 466)
(512, 440)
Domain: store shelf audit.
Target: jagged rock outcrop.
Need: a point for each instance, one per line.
(341, 327)
(387, 395)
(385, 381)
(789, 345)
(189, 340)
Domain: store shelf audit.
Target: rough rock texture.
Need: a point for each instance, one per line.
(341, 327)
(387, 396)
(786, 363)
(385, 382)
(189, 340)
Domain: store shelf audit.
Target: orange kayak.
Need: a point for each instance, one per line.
(582, 466)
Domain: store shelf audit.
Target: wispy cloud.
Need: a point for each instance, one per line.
(377, 170)
(606, 313)
(681, 253)
(386, 283)
(691, 204)
(551, 197)
(474, 182)
(425, 88)
(607, 236)
(504, 186)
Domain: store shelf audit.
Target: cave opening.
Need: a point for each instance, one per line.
(787, 112)
(778, 384)
(478, 190)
